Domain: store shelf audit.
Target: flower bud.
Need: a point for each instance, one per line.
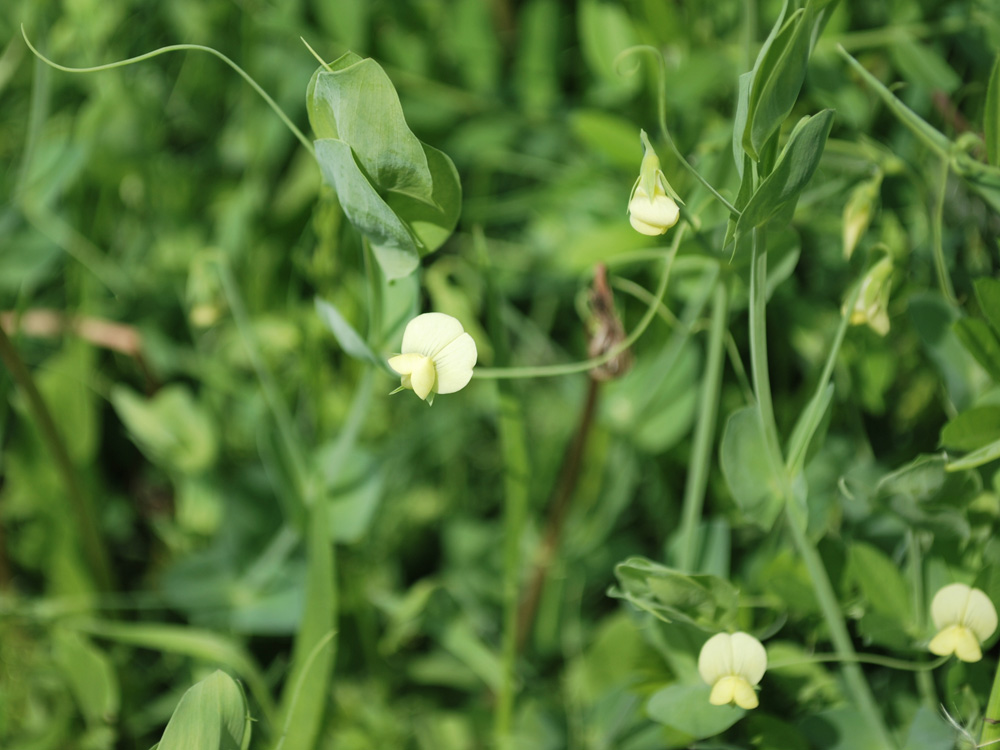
(872, 305)
(652, 206)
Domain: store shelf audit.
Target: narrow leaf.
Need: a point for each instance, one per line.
(988, 296)
(991, 116)
(349, 339)
(981, 342)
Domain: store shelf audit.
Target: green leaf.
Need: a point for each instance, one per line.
(212, 715)
(605, 29)
(841, 729)
(929, 731)
(305, 697)
(795, 167)
(90, 674)
(401, 194)
(930, 494)
(984, 455)
(746, 466)
(777, 80)
(686, 709)
(988, 297)
(880, 581)
(805, 429)
(972, 429)
(349, 339)
(204, 645)
(394, 245)
(356, 103)
(981, 342)
(991, 116)
(171, 428)
(705, 601)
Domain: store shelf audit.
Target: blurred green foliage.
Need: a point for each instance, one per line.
(164, 239)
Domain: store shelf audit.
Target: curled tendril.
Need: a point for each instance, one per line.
(661, 110)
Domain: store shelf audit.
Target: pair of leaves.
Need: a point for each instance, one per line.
(402, 195)
(774, 83)
(704, 601)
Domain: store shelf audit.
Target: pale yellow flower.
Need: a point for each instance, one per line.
(964, 617)
(732, 664)
(652, 208)
(437, 356)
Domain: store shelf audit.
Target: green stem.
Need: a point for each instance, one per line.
(570, 368)
(758, 352)
(925, 683)
(80, 504)
(937, 232)
(920, 667)
(860, 692)
(991, 719)
(704, 431)
(182, 48)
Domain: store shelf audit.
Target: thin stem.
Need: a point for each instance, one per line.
(920, 667)
(991, 719)
(80, 504)
(182, 48)
(937, 231)
(662, 118)
(570, 368)
(925, 683)
(860, 692)
(749, 36)
(758, 351)
(704, 431)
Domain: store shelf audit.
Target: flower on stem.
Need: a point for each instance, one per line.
(964, 617)
(652, 206)
(437, 356)
(732, 665)
(872, 306)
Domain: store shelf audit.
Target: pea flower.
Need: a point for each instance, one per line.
(438, 356)
(732, 665)
(964, 617)
(872, 307)
(652, 206)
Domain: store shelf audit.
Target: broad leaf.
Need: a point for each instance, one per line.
(211, 715)
(746, 466)
(981, 342)
(686, 709)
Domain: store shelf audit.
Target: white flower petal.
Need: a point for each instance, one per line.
(715, 660)
(661, 211)
(948, 605)
(749, 658)
(429, 333)
(422, 378)
(980, 615)
(405, 364)
(644, 228)
(454, 364)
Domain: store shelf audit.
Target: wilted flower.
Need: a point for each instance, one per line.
(652, 207)
(964, 617)
(732, 665)
(438, 356)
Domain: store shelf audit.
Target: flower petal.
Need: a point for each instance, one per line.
(723, 691)
(429, 333)
(958, 640)
(749, 658)
(405, 364)
(980, 615)
(454, 364)
(949, 604)
(715, 660)
(661, 211)
(744, 694)
(422, 378)
(644, 228)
